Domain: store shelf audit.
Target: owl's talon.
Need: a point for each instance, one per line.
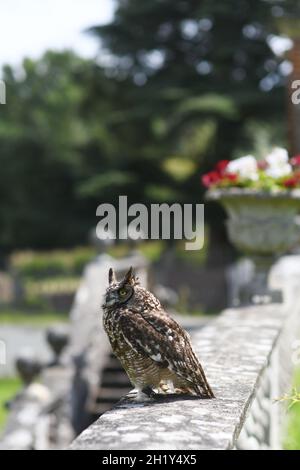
(143, 395)
(149, 392)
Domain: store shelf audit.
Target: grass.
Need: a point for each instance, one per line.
(21, 317)
(292, 438)
(8, 388)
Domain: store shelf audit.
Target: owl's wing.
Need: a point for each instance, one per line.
(158, 336)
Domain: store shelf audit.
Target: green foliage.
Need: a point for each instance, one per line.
(37, 289)
(292, 438)
(8, 389)
(292, 399)
(202, 72)
(49, 147)
(185, 79)
(207, 105)
(40, 265)
(152, 250)
(65, 266)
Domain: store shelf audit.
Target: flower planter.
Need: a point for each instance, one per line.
(261, 225)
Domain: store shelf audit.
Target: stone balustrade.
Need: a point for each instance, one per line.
(247, 353)
(46, 415)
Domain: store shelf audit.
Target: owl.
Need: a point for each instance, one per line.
(155, 351)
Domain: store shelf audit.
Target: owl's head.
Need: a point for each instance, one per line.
(120, 292)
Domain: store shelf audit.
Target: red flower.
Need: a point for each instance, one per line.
(221, 166)
(295, 161)
(291, 182)
(211, 178)
(231, 177)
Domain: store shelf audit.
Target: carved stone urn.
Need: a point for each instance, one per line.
(262, 226)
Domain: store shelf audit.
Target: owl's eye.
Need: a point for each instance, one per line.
(122, 292)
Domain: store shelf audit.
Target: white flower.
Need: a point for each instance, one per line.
(245, 167)
(280, 171)
(278, 163)
(278, 156)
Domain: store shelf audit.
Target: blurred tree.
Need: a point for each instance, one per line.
(202, 71)
(181, 84)
(42, 138)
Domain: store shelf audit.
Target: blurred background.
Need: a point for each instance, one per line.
(127, 97)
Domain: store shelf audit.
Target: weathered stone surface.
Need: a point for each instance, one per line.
(240, 351)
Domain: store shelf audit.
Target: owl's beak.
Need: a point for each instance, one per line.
(110, 300)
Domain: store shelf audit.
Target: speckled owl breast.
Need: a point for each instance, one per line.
(115, 318)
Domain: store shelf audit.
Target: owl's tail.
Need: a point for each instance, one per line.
(203, 391)
(200, 385)
(179, 386)
(195, 391)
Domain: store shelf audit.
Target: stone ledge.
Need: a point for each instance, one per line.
(235, 349)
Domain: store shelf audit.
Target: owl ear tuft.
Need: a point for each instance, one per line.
(111, 276)
(130, 278)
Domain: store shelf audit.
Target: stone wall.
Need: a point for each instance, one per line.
(50, 410)
(247, 355)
